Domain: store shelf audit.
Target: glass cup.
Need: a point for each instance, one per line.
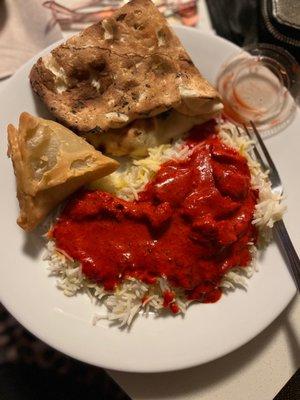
(260, 84)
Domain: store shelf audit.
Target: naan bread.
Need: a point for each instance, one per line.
(127, 67)
(50, 162)
(136, 138)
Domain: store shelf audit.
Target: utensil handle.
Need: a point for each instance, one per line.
(288, 250)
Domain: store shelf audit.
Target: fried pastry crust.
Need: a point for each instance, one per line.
(50, 162)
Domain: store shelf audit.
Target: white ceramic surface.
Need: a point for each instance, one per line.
(208, 331)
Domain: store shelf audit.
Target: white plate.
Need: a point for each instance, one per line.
(207, 331)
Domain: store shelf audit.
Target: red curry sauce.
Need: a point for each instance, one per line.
(191, 224)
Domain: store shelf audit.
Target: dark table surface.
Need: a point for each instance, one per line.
(30, 369)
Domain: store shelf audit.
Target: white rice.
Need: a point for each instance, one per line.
(133, 296)
(134, 174)
(269, 207)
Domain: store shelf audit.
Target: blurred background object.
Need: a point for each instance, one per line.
(79, 13)
(246, 22)
(23, 33)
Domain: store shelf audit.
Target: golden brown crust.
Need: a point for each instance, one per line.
(50, 162)
(136, 138)
(126, 67)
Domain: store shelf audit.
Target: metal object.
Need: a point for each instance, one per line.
(280, 233)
